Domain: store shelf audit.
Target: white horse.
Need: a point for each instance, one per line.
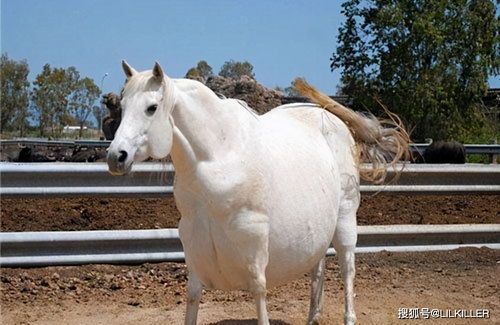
(261, 197)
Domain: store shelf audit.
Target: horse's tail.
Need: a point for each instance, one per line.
(382, 143)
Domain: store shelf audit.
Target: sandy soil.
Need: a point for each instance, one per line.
(107, 214)
(155, 293)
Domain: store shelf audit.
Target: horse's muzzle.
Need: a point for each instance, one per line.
(119, 162)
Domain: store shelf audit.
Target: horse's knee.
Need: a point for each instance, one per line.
(258, 281)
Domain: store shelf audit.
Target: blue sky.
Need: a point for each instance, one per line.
(282, 39)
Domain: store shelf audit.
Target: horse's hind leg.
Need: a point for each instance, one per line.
(317, 280)
(346, 260)
(344, 242)
(193, 298)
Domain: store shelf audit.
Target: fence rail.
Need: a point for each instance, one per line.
(57, 143)
(26, 249)
(487, 149)
(46, 180)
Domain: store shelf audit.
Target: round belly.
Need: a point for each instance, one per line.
(296, 246)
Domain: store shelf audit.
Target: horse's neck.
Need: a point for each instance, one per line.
(206, 128)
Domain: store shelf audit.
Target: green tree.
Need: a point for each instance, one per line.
(235, 70)
(426, 60)
(83, 98)
(51, 97)
(193, 73)
(41, 99)
(202, 71)
(290, 90)
(14, 100)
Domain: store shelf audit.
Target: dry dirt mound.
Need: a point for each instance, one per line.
(257, 96)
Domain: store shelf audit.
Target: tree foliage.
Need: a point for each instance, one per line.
(290, 91)
(204, 69)
(83, 97)
(58, 97)
(50, 96)
(235, 70)
(58, 93)
(201, 72)
(427, 60)
(14, 101)
(193, 73)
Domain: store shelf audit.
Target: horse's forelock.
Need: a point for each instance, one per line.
(146, 82)
(141, 82)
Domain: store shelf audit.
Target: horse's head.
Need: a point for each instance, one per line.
(146, 126)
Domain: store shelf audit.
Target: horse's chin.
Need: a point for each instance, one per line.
(117, 173)
(120, 171)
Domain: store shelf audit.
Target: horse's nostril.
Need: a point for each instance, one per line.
(123, 156)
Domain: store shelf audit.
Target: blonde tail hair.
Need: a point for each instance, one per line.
(383, 143)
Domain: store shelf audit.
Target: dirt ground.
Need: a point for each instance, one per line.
(115, 213)
(155, 293)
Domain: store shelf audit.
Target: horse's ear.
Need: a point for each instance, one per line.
(158, 72)
(129, 71)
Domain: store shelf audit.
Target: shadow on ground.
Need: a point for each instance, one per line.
(248, 322)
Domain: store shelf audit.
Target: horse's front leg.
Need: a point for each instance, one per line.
(194, 288)
(259, 292)
(249, 232)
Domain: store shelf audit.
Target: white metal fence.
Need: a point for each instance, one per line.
(24, 249)
(43, 180)
(155, 179)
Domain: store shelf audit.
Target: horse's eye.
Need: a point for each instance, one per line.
(151, 109)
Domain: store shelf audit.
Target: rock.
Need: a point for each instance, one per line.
(5, 280)
(115, 286)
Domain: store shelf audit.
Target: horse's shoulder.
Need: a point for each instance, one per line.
(215, 181)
